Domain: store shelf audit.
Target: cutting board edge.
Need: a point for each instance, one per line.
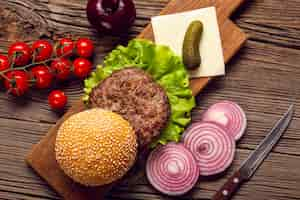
(32, 162)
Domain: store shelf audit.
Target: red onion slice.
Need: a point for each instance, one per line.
(211, 146)
(172, 169)
(228, 115)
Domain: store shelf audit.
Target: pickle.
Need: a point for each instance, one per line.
(190, 50)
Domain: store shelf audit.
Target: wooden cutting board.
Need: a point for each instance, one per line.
(42, 158)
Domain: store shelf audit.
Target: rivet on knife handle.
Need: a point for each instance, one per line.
(230, 187)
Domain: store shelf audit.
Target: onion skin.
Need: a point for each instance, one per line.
(229, 115)
(111, 16)
(172, 169)
(211, 146)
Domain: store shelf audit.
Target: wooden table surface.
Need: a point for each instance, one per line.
(264, 78)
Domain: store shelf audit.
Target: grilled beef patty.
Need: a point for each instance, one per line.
(132, 93)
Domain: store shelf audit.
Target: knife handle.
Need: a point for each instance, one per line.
(230, 187)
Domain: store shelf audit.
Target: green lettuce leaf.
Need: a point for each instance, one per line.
(167, 70)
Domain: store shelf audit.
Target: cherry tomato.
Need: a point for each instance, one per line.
(42, 76)
(42, 49)
(4, 62)
(61, 68)
(22, 52)
(84, 47)
(82, 67)
(65, 47)
(57, 99)
(17, 82)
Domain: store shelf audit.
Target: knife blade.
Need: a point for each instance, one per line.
(255, 159)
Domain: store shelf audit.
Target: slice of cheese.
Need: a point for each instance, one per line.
(170, 30)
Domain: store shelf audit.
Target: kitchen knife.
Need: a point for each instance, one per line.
(255, 159)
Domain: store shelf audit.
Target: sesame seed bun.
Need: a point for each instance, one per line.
(95, 147)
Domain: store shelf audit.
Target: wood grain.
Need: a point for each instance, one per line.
(263, 78)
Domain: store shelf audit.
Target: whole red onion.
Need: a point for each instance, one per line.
(111, 16)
